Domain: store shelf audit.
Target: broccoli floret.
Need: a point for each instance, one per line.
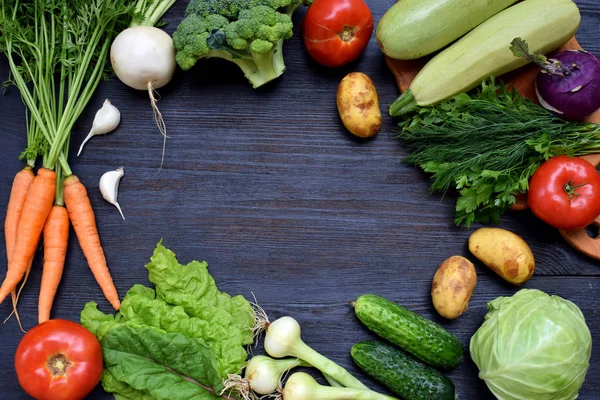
(249, 33)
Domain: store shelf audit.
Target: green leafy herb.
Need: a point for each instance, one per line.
(179, 341)
(487, 145)
(520, 48)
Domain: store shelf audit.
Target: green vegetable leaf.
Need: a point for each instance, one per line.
(192, 287)
(141, 307)
(487, 144)
(230, 319)
(95, 320)
(121, 390)
(166, 366)
(186, 310)
(520, 48)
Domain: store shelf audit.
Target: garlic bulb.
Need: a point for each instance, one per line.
(109, 187)
(106, 120)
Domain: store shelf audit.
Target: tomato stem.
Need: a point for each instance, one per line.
(58, 364)
(347, 34)
(570, 188)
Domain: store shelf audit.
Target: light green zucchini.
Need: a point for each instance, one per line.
(485, 51)
(415, 28)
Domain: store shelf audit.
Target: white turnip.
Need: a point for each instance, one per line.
(143, 56)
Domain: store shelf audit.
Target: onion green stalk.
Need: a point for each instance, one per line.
(283, 339)
(301, 386)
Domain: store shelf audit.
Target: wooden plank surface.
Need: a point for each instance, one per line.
(268, 188)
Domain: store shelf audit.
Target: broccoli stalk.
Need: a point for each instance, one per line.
(249, 33)
(261, 63)
(258, 68)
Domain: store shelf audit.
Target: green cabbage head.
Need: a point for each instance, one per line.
(532, 346)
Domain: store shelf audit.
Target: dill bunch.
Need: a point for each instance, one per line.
(487, 145)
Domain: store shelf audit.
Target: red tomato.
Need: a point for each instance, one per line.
(565, 192)
(58, 360)
(337, 31)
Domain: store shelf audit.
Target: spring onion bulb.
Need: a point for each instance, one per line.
(301, 386)
(263, 376)
(283, 339)
(106, 120)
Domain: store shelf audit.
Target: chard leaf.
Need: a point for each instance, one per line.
(121, 390)
(165, 366)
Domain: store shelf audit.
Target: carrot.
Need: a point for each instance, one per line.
(18, 194)
(35, 211)
(16, 295)
(21, 184)
(83, 220)
(56, 237)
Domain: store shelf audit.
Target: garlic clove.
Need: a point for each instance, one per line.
(106, 120)
(109, 187)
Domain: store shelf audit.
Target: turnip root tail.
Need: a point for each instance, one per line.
(158, 118)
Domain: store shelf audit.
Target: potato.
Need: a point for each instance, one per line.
(358, 105)
(452, 287)
(504, 252)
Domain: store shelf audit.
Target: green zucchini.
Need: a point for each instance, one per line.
(413, 333)
(401, 373)
(415, 28)
(485, 51)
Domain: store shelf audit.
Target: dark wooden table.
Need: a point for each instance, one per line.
(268, 187)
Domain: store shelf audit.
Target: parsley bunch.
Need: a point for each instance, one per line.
(487, 145)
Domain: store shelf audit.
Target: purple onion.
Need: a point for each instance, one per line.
(569, 84)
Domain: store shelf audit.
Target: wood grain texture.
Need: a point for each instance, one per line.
(580, 239)
(268, 188)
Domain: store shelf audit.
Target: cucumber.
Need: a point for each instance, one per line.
(413, 333)
(485, 51)
(401, 373)
(415, 28)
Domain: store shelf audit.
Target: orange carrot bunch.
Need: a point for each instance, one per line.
(56, 81)
(37, 210)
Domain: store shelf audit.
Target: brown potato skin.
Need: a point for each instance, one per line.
(504, 252)
(358, 105)
(452, 286)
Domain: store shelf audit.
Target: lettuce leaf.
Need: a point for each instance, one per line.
(178, 341)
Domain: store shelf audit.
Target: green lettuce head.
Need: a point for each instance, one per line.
(532, 346)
